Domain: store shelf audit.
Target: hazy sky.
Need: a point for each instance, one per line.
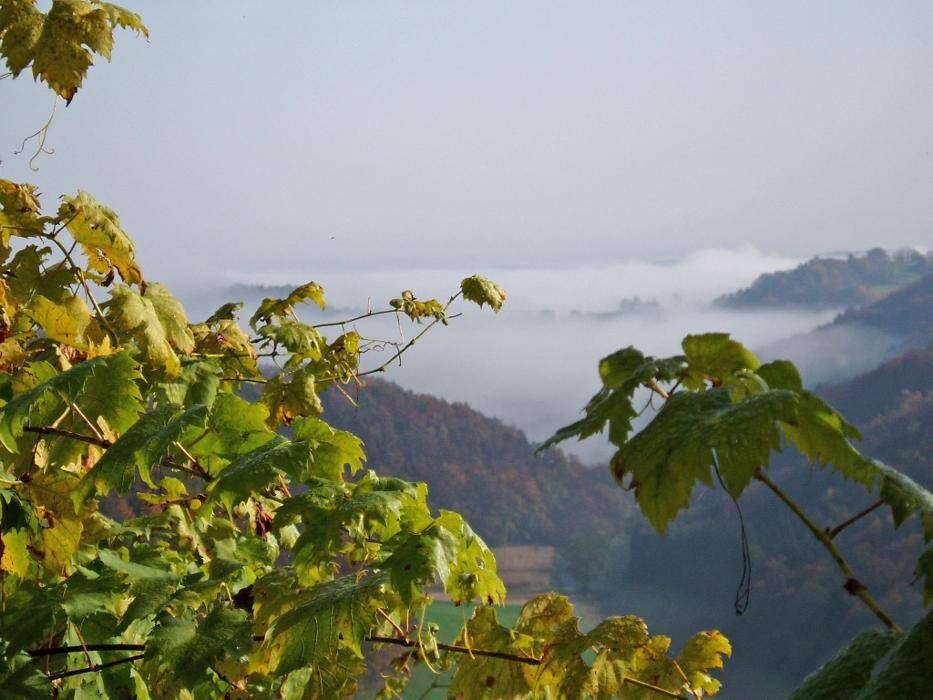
(246, 137)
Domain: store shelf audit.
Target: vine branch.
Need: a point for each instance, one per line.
(94, 668)
(832, 533)
(852, 585)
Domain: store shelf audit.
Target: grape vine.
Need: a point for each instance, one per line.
(264, 560)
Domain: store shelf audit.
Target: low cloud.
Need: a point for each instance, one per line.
(534, 365)
(698, 277)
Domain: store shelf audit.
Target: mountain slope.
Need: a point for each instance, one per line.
(833, 282)
(861, 338)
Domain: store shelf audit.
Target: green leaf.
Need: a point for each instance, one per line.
(197, 382)
(30, 612)
(472, 573)
(908, 672)
(330, 617)
(132, 569)
(822, 434)
(717, 357)
(150, 595)
(416, 559)
(69, 322)
(62, 388)
(848, 672)
(21, 677)
(668, 457)
(333, 449)
(97, 229)
(88, 593)
(136, 316)
(111, 401)
(290, 397)
(906, 497)
(188, 647)
(483, 676)
(172, 317)
(227, 312)
(329, 510)
(701, 653)
(483, 291)
(111, 397)
(622, 373)
(253, 471)
(285, 308)
(235, 427)
(143, 445)
(781, 374)
(20, 27)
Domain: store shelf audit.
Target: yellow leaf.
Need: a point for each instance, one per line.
(97, 229)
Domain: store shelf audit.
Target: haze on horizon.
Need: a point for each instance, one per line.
(245, 139)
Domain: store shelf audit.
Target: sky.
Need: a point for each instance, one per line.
(244, 139)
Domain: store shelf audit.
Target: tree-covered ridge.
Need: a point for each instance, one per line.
(894, 406)
(833, 282)
(859, 339)
(906, 313)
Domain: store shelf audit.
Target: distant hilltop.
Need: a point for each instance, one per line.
(833, 282)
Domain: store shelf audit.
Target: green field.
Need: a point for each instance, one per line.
(450, 619)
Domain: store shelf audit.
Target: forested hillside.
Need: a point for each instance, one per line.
(488, 471)
(859, 339)
(833, 282)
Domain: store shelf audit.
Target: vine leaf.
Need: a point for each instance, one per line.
(70, 323)
(483, 291)
(97, 230)
(22, 679)
(189, 647)
(907, 673)
(622, 373)
(62, 388)
(258, 468)
(146, 443)
(197, 382)
(135, 315)
(717, 357)
(59, 44)
(329, 617)
(702, 652)
(171, 315)
(235, 427)
(416, 559)
(666, 459)
(334, 450)
(285, 308)
(844, 675)
(63, 523)
(495, 677)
